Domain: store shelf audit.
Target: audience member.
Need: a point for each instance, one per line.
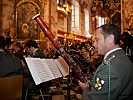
(126, 41)
(9, 65)
(7, 38)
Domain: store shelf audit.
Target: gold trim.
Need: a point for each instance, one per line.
(45, 2)
(115, 13)
(28, 1)
(61, 9)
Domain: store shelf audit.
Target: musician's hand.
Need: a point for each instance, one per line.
(84, 86)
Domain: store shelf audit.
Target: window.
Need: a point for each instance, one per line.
(86, 22)
(73, 15)
(101, 21)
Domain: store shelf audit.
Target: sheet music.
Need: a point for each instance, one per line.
(63, 66)
(39, 69)
(54, 68)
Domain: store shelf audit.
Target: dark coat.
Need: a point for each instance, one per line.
(121, 79)
(19, 54)
(38, 54)
(9, 65)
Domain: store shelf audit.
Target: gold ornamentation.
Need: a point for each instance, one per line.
(130, 20)
(43, 1)
(116, 11)
(12, 33)
(29, 1)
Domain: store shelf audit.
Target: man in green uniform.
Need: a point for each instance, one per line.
(113, 79)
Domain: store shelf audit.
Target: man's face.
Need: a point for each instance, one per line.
(29, 50)
(101, 44)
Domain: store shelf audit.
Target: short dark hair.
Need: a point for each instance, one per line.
(109, 29)
(18, 44)
(127, 39)
(31, 43)
(2, 42)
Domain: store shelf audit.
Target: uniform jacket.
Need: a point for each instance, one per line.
(121, 79)
(9, 65)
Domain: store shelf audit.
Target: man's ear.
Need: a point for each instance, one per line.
(111, 38)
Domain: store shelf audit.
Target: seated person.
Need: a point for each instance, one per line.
(33, 50)
(9, 65)
(18, 50)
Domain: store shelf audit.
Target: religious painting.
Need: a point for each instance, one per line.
(26, 27)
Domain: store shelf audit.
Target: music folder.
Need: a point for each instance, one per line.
(43, 70)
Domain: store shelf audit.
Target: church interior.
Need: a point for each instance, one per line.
(72, 24)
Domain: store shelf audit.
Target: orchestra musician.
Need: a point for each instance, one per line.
(113, 79)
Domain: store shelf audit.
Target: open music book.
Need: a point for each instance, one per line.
(43, 70)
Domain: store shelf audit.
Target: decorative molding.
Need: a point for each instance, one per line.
(72, 36)
(62, 13)
(29, 1)
(115, 13)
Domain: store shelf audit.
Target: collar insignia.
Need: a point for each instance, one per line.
(99, 84)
